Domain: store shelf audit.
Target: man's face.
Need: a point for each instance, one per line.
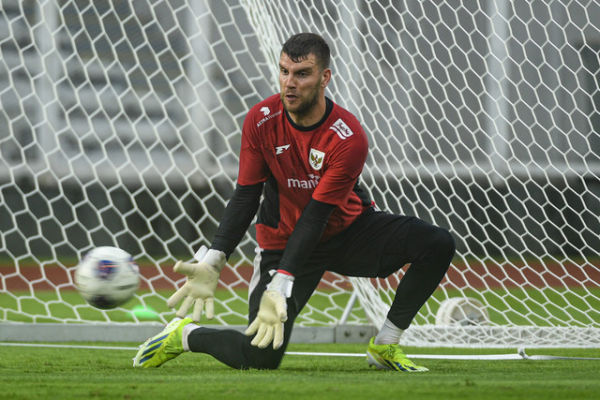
(301, 83)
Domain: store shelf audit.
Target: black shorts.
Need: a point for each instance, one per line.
(377, 244)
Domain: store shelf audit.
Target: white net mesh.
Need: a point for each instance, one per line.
(120, 124)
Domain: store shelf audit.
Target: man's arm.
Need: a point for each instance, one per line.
(237, 217)
(306, 235)
(272, 313)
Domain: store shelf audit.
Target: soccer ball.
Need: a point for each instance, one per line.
(462, 311)
(107, 277)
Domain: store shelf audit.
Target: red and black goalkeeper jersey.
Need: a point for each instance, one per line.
(296, 163)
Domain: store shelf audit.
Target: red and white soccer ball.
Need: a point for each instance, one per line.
(107, 277)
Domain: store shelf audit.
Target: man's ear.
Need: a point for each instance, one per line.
(325, 77)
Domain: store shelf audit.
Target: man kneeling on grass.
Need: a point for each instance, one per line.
(303, 153)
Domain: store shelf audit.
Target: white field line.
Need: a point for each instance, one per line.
(521, 355)
(291, 353)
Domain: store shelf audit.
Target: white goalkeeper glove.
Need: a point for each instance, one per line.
(202, 279)
(272, 312)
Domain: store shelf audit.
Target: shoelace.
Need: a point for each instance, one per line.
(392, 351)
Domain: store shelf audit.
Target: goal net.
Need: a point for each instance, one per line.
(120, 125)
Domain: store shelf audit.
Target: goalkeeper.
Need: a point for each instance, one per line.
(303, 153)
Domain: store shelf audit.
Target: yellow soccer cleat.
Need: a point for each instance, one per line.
(390, 356)
(163, 347)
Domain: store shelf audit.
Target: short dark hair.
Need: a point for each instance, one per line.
(299, 46)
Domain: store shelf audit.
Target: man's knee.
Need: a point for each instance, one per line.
(430, 241)
(267, 359)
(442, 242)
(270, 364)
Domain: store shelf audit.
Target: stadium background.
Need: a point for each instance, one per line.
(52, 130)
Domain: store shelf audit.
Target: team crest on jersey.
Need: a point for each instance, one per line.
(315, 159)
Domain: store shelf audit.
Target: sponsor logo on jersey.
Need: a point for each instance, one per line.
(310, 183)
(265, 111)
(342, 130)
(281, 149)
(315, 159)
(267, 117)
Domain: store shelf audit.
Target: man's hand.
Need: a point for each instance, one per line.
(272, 313)
(202, 279)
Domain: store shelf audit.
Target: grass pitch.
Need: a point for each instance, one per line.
(59, 373)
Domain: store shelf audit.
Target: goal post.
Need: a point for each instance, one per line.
(120, 125)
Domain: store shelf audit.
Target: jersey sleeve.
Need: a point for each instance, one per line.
(343, 169)
(237, 217)
(252, 168)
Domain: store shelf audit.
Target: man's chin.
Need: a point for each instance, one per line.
(291, 108)
(297, 107)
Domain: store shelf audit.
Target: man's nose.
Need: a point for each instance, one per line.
(291, 81)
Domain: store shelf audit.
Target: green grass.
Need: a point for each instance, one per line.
(47, 306)
(49, 373)
(230, 308)
(518, 306)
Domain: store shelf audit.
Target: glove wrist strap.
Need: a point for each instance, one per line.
(216, 258)
(282, 283)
